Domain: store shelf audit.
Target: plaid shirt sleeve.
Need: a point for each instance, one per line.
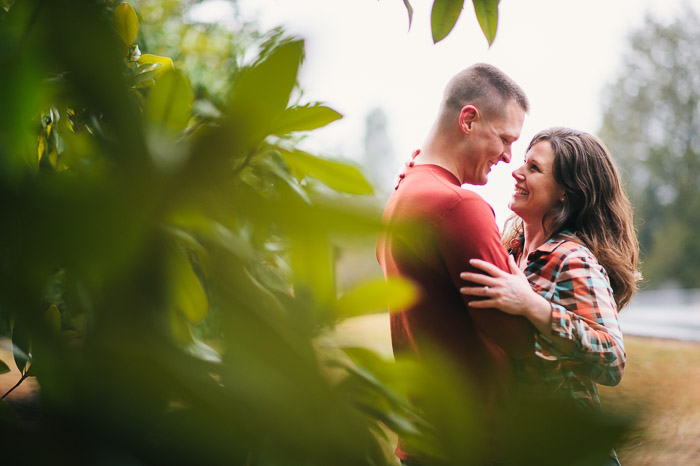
(584, 311)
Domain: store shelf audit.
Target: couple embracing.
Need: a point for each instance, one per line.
(536, 306)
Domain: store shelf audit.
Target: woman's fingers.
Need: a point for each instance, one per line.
(479, 278)
(514, 269)
(486, 267)
(475, 291)
(483, 303)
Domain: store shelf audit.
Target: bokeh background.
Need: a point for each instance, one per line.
(187, 271)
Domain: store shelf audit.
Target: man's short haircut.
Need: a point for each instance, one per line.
(486, 87)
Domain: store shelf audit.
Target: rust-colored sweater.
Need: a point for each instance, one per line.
(450, 225)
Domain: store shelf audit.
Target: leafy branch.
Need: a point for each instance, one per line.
(24, 376)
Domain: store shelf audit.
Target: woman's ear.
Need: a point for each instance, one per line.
(467, 117)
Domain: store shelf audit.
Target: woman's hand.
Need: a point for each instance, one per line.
(509, 292)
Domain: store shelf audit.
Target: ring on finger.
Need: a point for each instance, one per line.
(486, 289)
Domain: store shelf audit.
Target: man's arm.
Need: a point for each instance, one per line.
(469, 231)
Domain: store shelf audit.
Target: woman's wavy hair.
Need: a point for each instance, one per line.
(595, 207)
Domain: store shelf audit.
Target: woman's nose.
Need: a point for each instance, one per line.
(517, 175)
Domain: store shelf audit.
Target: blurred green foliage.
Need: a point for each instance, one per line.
(445, 13)
(210, 54)
(168, 275)
(650, 124)
(130, 219)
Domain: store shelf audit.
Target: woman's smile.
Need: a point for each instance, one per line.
(536, 191)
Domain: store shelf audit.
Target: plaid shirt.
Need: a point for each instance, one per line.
(567, 275)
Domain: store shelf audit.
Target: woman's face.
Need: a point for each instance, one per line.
(536, 191)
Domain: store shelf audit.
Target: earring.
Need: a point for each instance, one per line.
(561, 199)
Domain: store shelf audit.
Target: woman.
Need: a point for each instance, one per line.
(573, 263)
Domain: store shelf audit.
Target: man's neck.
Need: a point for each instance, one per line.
(435, 151)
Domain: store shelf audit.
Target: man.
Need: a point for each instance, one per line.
(480, 116)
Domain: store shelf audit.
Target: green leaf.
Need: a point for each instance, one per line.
(377, 296)
(4, 368)
(68, 336)
(201, 350)
(144, 73)
(312, 260)
(180, 328)
(20, 347)
(409, 9)
(444, 17)
(487, 14)
(52, 318)
(262, 92)
(273, 163)
(7, 414)
(169, 103)
(187, 239)
(126, 23)
(337, 175)
(304, 118)
(189, 294)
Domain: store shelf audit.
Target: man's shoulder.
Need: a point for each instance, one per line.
(431, 197)
(433, 186)
(439, 203)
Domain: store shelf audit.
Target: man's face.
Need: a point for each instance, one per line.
(490, 142)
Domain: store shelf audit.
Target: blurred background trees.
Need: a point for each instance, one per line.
(378, 154)
(210, 54)
(651, 124)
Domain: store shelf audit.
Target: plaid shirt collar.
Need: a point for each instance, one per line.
(556, 240)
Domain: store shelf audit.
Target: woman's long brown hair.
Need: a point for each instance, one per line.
(595, 207)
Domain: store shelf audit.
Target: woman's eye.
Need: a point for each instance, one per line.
(534, 168)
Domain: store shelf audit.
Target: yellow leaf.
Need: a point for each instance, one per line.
(69, 120)
(148, 58)
(42, 147)
(189, 294)
(180, 329)
(126, 23)
(53, 158)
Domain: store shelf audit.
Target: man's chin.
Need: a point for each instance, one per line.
(476, 181)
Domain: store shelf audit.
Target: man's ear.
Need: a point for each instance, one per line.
(467, 117)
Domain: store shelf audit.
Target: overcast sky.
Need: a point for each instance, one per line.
(361, 55)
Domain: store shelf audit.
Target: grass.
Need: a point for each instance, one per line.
(661, 388)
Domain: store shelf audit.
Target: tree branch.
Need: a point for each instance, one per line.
(24, 376)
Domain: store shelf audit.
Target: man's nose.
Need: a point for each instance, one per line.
(506, 155)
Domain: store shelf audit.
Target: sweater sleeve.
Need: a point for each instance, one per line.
(584, 311)
(469, 231)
